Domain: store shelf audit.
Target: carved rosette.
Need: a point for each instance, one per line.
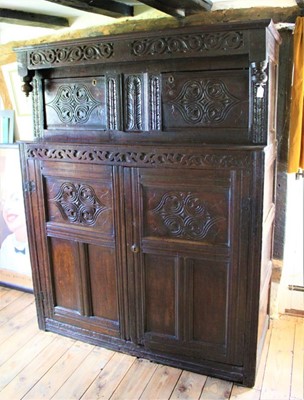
(186, 216)
(78, 203)
(202, 101)
(74, 104)
(205, 42)
(69, 55)
(259, 78)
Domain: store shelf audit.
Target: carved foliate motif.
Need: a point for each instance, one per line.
(186, 216)
(37, 120)
(140, 158)
(69, 55)
(205, 42)
(155, 103)
(259, 78)
(204, 101)
(112, 103)
(74, 103)
(78, 203)
(134, 106)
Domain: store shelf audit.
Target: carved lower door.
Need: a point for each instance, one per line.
(80, 249)
(189, 245)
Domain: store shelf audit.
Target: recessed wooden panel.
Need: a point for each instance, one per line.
(209, 307)
(159, 295)
(205, 99)
(80, 202)
(75, 103)
(65, 271)
(185, 206)
(103, 279)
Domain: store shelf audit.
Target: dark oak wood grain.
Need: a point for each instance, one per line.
(152, 216)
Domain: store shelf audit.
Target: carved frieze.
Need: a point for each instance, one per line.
(140, 158)
(78, 203)
(186, 216)
(69, 55)
(195, 43)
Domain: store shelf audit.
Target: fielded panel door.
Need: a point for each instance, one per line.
(186, 254)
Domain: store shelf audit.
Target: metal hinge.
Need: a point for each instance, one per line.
(29, 187)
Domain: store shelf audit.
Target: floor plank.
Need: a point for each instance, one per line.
(162, 383)
(41, 365)
(277, 378)
(135, 380)
(60, 372)
(17, 340)
(189, 386)
(110, 377)
(14, 307)
(9, 296)
(297, 383)
(36, 369)
(17, 323)
(10, 369)
(76, 385)
(216, 389)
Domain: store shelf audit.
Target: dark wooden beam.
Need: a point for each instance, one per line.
(300, 3)
(108, 8)
(32, 19)
(179, 8)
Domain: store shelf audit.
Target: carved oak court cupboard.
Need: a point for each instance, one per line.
(149, 192)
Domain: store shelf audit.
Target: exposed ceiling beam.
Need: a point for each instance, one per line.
(179, 8)
(108, 8)
(32, 19)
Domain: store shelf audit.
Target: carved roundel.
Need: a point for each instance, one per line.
(78, 203)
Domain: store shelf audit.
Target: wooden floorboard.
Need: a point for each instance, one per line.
(41, 365)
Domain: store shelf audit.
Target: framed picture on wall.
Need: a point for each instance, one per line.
(15, 266)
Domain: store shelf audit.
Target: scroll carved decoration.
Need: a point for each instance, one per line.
(134, 103)
(202, 101)
(186, 216)
(155, 103)
(74, 104)
(141, 158)
(70, 55)
(78, 203)
(205, 42)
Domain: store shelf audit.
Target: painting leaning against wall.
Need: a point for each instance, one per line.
(15, 266)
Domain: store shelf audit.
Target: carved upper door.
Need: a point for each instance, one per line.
(187, 268)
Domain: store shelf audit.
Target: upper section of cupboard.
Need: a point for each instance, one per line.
(206, 84)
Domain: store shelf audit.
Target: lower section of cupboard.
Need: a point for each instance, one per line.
(236, 373)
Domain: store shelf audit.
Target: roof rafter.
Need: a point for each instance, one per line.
(180, 8)
(32, 19)
(108, 8)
